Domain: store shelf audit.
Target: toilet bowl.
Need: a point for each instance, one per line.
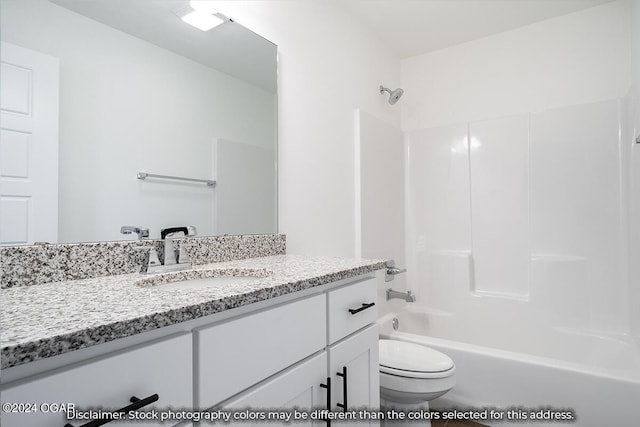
(411, 375)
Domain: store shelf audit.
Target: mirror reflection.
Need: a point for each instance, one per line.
(97, 92)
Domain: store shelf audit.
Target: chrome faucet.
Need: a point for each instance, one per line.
(173, 258)
(407, 296)
(391, 270)
(143, 233)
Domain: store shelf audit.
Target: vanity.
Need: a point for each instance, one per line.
(302, 336)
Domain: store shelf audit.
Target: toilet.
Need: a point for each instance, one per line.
(411, 375)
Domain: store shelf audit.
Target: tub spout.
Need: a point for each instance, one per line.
(407, 296)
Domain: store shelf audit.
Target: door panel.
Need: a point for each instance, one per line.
(29, 84)
(359, 355)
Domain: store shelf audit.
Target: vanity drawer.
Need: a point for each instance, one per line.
(237, 354)
(163, 368)
(350, 308)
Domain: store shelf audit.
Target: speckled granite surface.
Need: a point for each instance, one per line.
(33, 265)
(204, 250)
(55, 318)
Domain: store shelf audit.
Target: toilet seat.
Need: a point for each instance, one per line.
(405, 359)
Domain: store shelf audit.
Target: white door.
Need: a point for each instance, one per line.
(28, 146)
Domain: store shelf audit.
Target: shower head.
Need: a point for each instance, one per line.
(393, 95)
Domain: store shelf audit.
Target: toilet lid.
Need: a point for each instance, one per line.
(409, 357)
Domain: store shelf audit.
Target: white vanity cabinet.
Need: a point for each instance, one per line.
(347, 361)
(163, 368)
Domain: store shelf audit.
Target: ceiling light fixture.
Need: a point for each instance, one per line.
(200, 14)
(203, 6)
(202, 20)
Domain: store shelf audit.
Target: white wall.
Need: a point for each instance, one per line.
(127, 105)
(635, 20)
(573, 59)
(328, 66)
(516, 175)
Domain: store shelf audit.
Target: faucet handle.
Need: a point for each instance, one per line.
(187, 230)
(169, 231)
(183, 255)
(150, 257)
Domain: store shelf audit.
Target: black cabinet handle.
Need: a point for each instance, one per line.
(364, 307)
(328, 387)
(343, 374)
(135, 405)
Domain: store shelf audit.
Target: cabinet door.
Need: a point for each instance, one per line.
(358, 356)
(107, 383)
(297, 387)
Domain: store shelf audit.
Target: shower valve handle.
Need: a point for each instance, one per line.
(395, 270)
(391, 270)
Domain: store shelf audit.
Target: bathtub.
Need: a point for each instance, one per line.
(593, 377)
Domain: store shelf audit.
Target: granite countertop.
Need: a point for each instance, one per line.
(54, 318)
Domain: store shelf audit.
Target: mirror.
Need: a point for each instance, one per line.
(139, 91)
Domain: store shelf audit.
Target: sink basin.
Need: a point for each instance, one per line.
(208, 282)
(201, 279)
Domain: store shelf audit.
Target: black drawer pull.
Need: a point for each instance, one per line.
(328, 387)
(364, 307)
(135, 405)
(343, 374)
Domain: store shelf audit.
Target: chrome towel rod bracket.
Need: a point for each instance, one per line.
(145, 175)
